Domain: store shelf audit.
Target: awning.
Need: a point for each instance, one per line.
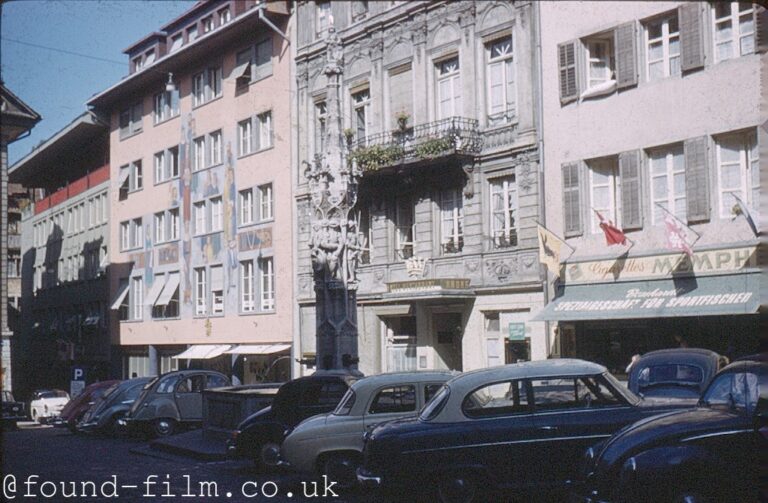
(665, 298)
(203, 351)
(171, 285)
(124, 174)
(121, 293)
(257, 349)
(241, 71)
(154, 292)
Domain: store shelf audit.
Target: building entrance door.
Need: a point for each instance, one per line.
(449, 333)
(400, 343)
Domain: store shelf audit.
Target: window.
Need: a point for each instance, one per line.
(600, 63)
(265, 200)
(163, 296)
(160, 227)
(138, 63)
(14, 265)
(246, 206)
(400, 96)
(361, 103)
(662, 38)
(206, 85)
(247, 304)
(734, 29)
(448, 88)
(167, 225)
(582, 392)
(452, 218)
(255, 133)
(365, 228)
(501, 81)
(208, 216)
(130, 121)
(217, 289)
(244, 135)
(167, 165)
(166, 106)
(265, 130)
(604, 191)
(738, 172)
(396, 399)
(149, 57)
(192, 33)
(198, 153)
(404, 228)
(267, 273)
(131, 234)
(504, 211)
(208, 24)
(323, 16)
(224, 16)
(216, 213)
(254, 63)
(176, 42)
(201, 226)
(668, 182)
(136, 299)
(201, 290)
(131, 179)
(214, 148)
(503, 398)
(321, 113)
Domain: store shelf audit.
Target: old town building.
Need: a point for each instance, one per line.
(651, 118)
(438, 105)
(200, 199)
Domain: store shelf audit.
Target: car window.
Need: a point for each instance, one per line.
(733, 389)
(510, 397)
(131, 393)
(165, 385)
(593, 391)
(430, 390)
(434, 406)
(191, 384)
(346, 404)
(394, 399)
(555, 393)
(215, 381)
(672, 373)
(327, 394)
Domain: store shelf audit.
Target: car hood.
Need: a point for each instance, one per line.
(52, 402)
(663, 428)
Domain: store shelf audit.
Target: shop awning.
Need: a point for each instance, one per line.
(257, 349)
(171, 285)
(664, 298)
(203, 351)
(121, 293)
(154, 292)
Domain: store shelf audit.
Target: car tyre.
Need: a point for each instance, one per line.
(165, 427)
(268, 455)
(342, 469)
(458, 487)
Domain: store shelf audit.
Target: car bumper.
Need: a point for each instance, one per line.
(367, 479)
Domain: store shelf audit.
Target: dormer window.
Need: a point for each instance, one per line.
(224, 16)
(149, 57)
(208, 24)
(138, 63)
(176, 42)
(191, 33)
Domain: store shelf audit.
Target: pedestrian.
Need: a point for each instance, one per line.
(635, 359)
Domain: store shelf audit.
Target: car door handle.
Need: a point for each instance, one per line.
(548, 428)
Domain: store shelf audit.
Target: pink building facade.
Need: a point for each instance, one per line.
(201, 195)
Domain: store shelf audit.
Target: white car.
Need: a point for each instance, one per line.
(47, 404)
(332, 444)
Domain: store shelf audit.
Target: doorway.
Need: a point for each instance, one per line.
(400, 343)
(449, 333)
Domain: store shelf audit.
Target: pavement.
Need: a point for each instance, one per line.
(196, 444)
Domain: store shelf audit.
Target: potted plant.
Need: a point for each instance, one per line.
(402, 119)
(349, 134)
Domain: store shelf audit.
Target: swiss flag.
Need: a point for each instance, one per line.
(613, 235)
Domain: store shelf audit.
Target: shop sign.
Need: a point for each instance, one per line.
(428, 285)
(516, 332)
(709, 261)
(636, 300)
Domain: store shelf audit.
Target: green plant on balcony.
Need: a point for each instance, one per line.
(376, 156)
(349, 135)
(433, 147)
(402, 119)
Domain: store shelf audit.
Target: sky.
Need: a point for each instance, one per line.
(57, 84)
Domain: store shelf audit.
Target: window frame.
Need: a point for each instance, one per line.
(269, 213)
(736, 37)
(452, 77)
(748, 145)
(509, 112)
(669, 152)
(453, 215)
(247, 294)
(507, 185)
(666, 38)
(613, 212)
(267, 283)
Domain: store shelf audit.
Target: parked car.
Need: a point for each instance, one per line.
(714, 452)
(332, 443)
(522, 427)
(259, 437)
(115, 403)
(681, 373)
(76, 408)
(171, 401)
(46, 404)
(13, 411)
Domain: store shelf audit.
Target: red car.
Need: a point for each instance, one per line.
(76, 408)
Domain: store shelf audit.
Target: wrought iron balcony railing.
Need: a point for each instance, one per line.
(431, 140)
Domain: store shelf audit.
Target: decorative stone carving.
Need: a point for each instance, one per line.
(502, 268)
(526, 177)
(416, 266)
(378, 275)
(529, 261)
(472, 266)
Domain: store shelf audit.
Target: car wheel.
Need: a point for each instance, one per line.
(458, 487)
(269, 454)
(342, 469)
(165, 427)
(34, 415)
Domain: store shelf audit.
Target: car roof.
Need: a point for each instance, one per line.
(558, 367)
(759, 366)
(389, 378)
(679, 355)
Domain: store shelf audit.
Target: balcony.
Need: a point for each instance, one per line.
(423, 143)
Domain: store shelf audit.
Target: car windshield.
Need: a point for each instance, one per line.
(166, 384)
(670, 373)
(736, 390)
(435, 405)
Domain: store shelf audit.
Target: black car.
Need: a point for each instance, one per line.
(680, 373)
(259, 437)
(13, 411)
(113, 405)
(520, 427)
(714, 452)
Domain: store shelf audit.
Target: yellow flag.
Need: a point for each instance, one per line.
(549, 250)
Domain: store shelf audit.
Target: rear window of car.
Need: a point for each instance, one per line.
(672, 373)
(501, 398)
(394, 399)
(346, 404)
(432, 408)
(215, 381)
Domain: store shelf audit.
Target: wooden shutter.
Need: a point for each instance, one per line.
(400, 93)
(760, 22)
(571, 199)
(696, 179)
(566, 63)
(691, 36)
(625, 47)
(631, 190)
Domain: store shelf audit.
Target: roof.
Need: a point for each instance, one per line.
(679, 355)
(417, 376)
(17, 116)
(560, 367)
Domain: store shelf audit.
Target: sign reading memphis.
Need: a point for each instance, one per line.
(637, 299)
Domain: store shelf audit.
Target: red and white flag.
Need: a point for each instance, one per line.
(613, 235)
(676, 235)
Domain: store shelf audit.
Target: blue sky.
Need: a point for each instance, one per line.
(57, 84)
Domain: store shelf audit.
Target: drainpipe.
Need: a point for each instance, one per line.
(540, 135)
